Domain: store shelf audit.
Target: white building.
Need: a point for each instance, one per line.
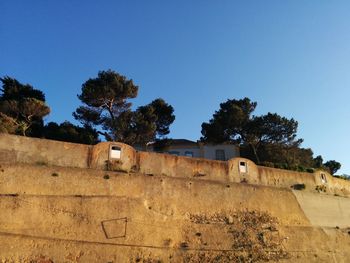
(183, 147)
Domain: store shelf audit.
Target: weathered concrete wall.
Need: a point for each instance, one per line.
(80, 215)
(249, 175)
(285, 178)
(101, 157)
(325, 210)
(18, 149)
(179, 166)
(147, 206)
(178, 195)
(333, 185)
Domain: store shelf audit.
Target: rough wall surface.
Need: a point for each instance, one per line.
(18, 149)
(157, 208)
(279, 177)
(178, 166)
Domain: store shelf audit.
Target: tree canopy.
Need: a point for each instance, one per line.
(269, 139)
(333, 166)
(107, 106)
(12, 89)
(22, 107)
(69, 132)
(106, 109)
(234, 122)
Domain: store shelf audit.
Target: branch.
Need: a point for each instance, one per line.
(106, 135)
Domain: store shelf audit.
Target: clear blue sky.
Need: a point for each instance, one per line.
(292, 57)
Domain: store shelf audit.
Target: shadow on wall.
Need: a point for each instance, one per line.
(120, 157)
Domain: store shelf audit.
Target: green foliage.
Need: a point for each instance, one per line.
(24, 107)
(318, 161)
(344, 177)
(234, 122)
(310, 170)
(161, 145)
(269, 139)
(107, 107)
(12, 89)
(69, 132)
(164, 116)
(230, 122)
(283, 156)
(7, 124)
(268, 164)
(105, 98)
(333, 166)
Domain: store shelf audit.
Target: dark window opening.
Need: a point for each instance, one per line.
(189, 154)
(220, 155)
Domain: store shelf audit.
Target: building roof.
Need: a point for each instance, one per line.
(177, 142)
(185, 142)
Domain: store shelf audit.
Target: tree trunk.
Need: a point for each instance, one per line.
(255, 151)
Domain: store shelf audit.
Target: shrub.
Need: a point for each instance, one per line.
(301, 168)
(321, 188)
(268, 164)
(298, 186)
(344, 177)
(310, 170)
(282, 166)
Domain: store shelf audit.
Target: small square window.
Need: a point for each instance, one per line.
(115, 152)
(243, 168)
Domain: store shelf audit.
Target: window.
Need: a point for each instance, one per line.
(189, 154)
(220, 155)
(323, 178)
(115, 152)
(243, 167)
